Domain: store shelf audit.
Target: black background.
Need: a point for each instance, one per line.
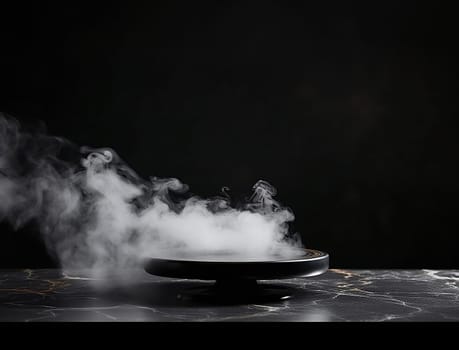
(350, 110)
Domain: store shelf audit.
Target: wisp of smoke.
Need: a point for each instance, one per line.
(100, 214)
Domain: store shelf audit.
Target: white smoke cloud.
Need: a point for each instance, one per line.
(100, 214)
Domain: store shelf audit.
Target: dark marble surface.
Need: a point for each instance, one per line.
(338, 295)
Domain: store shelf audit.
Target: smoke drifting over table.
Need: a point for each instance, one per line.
(99, 213)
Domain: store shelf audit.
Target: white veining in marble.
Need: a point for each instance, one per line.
(338, 295)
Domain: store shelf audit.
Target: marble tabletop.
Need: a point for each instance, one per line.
(337, 295)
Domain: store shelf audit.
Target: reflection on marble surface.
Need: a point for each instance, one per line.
(338, 295)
